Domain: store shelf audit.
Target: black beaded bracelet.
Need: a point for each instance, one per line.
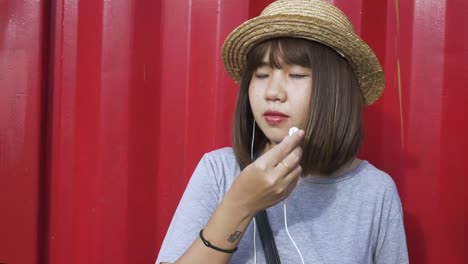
(208, 244)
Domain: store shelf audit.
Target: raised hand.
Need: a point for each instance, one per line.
(271, 178)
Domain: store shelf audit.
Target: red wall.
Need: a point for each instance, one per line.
(22, 137)
(107, 106)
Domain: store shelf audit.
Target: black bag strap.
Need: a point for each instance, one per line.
(266, 236)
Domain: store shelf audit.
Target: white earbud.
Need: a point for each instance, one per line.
(293, 130)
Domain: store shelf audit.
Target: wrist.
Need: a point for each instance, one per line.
(208, 244)
(227, 225)
(232, 204)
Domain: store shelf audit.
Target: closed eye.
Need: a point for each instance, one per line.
(261, 76)
(298, 76)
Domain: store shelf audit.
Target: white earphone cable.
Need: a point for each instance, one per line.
(287, 231)
(255, 246)
(255, 225)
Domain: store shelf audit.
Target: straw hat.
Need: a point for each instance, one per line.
(315, 20)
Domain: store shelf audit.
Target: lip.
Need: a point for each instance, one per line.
(275, 117)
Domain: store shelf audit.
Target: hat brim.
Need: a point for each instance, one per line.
(252, 32)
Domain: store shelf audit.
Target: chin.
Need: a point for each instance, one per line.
(276, 138)
(274, 134)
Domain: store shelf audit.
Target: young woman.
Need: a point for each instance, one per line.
(299, 64)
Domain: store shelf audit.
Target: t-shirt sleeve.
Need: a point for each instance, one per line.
(391, 244)
(198, 203)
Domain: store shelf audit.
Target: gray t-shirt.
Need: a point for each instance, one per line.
(353, 218)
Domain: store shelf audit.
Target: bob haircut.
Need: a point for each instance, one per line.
(334, 132)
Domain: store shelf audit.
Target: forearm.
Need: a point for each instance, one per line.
(225, 229)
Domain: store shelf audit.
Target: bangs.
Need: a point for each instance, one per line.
(280, 51)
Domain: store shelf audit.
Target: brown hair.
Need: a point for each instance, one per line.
(334, 131)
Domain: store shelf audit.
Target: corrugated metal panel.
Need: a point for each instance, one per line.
(415, 132)
(21, 120)
(105, 132)
(139, 94)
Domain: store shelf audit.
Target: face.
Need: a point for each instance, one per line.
(280, 99)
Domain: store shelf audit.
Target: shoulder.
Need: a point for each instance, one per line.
(223, 163)
(221, 158)
(376, 178)
(381, 186)
(225, 154)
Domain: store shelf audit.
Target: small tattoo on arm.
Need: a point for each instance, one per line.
(234, 236)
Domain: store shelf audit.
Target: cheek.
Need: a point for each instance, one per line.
(301, 105)
(303, 108)
(251, 92)
(254, 96)
(251, 95)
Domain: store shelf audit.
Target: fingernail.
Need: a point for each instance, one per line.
(300, 133)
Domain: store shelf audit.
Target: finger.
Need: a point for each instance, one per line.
(290, 162)
(280, 151)
(292, 178)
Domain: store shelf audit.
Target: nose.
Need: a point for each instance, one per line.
(276, 88)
